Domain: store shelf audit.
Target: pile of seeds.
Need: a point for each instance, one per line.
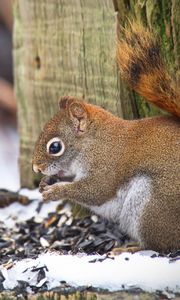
(60, 231)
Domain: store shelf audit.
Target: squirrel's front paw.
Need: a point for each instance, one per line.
(46, 181)
(52, 192)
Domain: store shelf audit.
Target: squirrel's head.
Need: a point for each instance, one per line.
(62, 139)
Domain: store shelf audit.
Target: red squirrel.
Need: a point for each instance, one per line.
(125, 171)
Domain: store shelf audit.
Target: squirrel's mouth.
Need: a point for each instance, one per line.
(65, 178)
(59, 177)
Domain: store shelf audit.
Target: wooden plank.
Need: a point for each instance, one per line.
(61, 47)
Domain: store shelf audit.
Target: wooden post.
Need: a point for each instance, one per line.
(61, 47)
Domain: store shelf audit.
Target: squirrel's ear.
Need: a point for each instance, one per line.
(79, 116)
(64, 101)
(77, 113)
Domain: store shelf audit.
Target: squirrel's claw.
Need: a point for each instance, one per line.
(43, 184)
(46, 182)
(51, 192)
(45, 196)
(48, 195)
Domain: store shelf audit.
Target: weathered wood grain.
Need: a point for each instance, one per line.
(61, 47)
(86, 296)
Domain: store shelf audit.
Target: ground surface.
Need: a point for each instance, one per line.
(43, 247)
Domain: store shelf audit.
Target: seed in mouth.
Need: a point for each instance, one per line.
(65, 178)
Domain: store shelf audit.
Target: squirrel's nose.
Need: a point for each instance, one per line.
(36, 168)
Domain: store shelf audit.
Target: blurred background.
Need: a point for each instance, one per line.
(9, 177)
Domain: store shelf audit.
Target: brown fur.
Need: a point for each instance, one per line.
(141, 65)
(113, 151)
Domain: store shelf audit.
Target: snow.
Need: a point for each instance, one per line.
(9, 150)
(125, 271)
(16, 212)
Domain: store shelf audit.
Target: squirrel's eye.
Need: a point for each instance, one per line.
(55, 147)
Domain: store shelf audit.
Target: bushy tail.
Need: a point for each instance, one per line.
(141, 65)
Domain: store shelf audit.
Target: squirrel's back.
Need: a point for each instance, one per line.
(141, 65)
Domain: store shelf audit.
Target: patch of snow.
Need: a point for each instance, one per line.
(125, 271)
(31, 194)
(17, 212)
(9, 152)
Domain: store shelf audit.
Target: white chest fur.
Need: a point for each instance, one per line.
(127, 206)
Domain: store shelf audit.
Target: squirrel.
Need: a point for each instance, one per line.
(127, 171)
